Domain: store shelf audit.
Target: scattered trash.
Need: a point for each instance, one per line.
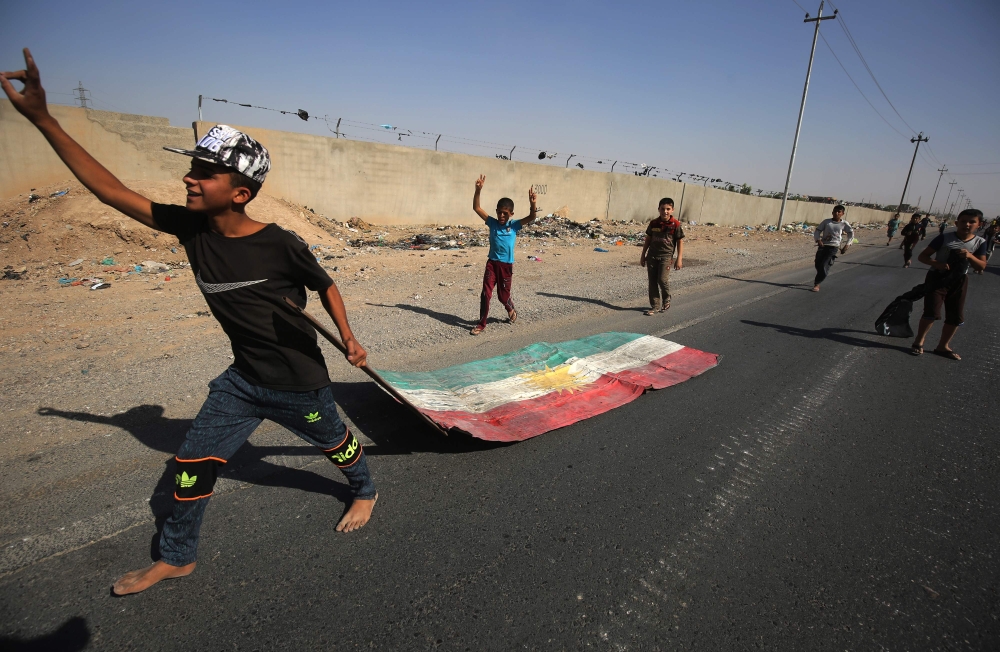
(11, 274)
(154, 267)
(535, 258)
(108, 261)
(448, 285)
(417, 296)
(32, 198)
(433, 248)
(693, 223)
(100, 286)
(603, 251)
(173, 250)
(75, 262)
(59, 194)
(166, 278)
(66, 281)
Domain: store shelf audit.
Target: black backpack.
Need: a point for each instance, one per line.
(895, 319)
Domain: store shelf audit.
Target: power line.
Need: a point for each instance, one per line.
(858, 87)
(843, 26)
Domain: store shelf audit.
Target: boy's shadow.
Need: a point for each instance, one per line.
(443, 317)
(596, 302)
(834, 334)
(790, 286)
(394, 429)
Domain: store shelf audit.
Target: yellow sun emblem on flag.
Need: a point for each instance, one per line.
(559, 379)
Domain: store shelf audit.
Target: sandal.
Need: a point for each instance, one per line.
(650, 312)
(916, 350)
(665, 306)
(512, 317)
(951, 355)
(476, 331)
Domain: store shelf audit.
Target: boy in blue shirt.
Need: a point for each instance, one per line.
(500, 264)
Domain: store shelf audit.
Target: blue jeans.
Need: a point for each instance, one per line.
(233, 410)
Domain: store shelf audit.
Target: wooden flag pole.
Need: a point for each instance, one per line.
(334, 340)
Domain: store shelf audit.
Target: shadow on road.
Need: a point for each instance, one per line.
(791, 286)
(393, 428)
(443, 317)
(899, 266)
(71, 636)
(596, 302)
(834, 334)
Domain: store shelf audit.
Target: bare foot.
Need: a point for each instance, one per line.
(357, 515)
(815, 288)
(142, 579)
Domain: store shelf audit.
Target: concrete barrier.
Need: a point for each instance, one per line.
(381, 184)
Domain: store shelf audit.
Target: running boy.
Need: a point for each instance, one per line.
(950, 256)
(828, 237)
(893, 227)
(911, 236)
(664, 235)
(244, 269)
(923, 226)
(500, 261)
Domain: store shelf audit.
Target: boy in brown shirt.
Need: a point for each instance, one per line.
(664, 236)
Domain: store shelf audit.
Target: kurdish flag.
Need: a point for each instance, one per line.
(545, 386)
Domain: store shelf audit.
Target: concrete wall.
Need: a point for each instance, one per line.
(382, 184)
(128, 145)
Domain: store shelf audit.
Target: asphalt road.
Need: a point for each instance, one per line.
(821, 489)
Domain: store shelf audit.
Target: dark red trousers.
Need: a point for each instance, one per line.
(497, 274)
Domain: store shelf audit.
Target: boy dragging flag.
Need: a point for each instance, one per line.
(244, 268)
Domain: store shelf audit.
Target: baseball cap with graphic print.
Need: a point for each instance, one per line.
(232, 148)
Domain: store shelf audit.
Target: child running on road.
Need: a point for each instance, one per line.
(892, 228)
(500, 261)
(911, 236)
(923, 226)
(244, 269)
(664, 235)
(829, 235)
(950, 256)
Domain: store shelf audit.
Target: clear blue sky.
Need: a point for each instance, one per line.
(699, 87)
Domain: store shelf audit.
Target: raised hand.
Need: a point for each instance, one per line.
(30, 102)
(532, 196)
(480, 182)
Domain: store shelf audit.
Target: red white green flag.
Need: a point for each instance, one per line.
(545, 386)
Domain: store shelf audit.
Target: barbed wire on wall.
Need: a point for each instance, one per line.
(393, 134)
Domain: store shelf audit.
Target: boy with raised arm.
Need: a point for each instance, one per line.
(500, 261)
(244, 268)
(831, 234)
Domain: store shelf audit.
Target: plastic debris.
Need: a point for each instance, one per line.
(166, 278)
(32, 198)
(173, 250)
(603, 251)
(66, 281)
(59, 194)
(108, 261)
(535, 258)
(76, 262)
(100, 286)
(154, 267)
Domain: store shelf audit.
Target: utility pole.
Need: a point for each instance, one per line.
(81, 96)
(570, 157)
(802, 107)
(199, 108)
(952, 184)
(942, 170)
(919, 138)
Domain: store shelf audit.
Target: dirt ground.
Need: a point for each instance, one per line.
(149, 335)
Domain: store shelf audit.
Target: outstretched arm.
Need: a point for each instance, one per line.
(334, 305)
(475, 198)
(30, 103)
(533, 213)
(679, 263)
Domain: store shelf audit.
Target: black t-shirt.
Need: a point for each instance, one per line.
(244, 281)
